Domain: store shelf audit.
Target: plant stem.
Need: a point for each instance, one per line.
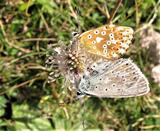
(115, 10)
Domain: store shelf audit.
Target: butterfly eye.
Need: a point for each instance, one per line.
(96, 31)
(74, 34)
(89, 36)
(103, 32)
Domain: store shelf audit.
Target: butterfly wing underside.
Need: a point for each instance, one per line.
(108, 41)
(121, 78)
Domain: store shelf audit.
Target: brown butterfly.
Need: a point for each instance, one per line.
(108, 41)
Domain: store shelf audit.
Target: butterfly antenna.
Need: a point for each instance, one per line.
(106, 10)
(78, 21)
(113, 13)
(75, 13)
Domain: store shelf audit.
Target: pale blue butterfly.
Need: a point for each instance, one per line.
(113, 79)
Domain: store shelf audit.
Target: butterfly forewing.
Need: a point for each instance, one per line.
(108, 41)
(121, 78)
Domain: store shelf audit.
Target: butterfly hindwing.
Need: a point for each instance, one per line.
(121, 78)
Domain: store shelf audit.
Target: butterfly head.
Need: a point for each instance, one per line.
(75, 34)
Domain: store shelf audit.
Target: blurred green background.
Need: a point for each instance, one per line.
(28, 102)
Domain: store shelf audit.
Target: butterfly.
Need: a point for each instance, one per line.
(108, 41)
(113, 79)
